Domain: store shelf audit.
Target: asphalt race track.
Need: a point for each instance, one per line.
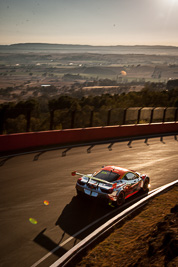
(29, 180)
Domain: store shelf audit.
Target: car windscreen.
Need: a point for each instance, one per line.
(108, 176)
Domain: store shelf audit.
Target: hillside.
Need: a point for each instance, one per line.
(68, 48)
(148, 239)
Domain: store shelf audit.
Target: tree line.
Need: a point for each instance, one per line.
(65, 111)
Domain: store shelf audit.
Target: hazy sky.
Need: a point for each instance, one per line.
(94, 22)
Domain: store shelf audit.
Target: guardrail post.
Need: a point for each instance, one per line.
(175, 116)
(139, 114)
(51, 119)
(164, 114)
(109, 117)
(152, 113)
(73, 119)
(91, 118)
(124, 116)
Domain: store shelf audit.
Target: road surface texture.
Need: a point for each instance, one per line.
(41, 187)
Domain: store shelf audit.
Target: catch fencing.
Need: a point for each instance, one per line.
(84, 118)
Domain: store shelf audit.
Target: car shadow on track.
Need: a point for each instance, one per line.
(44, 241)
(79, 213)
(79, 218)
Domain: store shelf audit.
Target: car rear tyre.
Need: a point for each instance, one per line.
(120, 199)
(79, 194)
(145, 186)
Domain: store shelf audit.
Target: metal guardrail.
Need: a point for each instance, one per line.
(72, 253)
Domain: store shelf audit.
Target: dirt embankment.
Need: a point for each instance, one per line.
(148, 239)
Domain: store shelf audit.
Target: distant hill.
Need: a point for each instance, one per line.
(68, 48)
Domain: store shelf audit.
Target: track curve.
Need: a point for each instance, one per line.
(27, 181)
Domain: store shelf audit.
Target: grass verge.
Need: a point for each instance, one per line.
(148, 239)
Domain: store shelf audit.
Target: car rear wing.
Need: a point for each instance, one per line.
(91, 177)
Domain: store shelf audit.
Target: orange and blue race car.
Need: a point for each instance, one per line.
(112, 183)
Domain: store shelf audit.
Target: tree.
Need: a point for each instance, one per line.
(30, 106)
(172, 84)
(52, 105)
(3, 110)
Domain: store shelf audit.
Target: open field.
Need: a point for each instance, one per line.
(28, 66)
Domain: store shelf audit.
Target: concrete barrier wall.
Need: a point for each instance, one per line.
(20, 141)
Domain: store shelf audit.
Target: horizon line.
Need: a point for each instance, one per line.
(133, 45)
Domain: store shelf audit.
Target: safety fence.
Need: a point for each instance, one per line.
(29, 121)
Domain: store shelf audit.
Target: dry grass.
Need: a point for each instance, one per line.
(129, 245)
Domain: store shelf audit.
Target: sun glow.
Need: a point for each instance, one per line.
(172, 2)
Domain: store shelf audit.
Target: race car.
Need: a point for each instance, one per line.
(112, 183)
